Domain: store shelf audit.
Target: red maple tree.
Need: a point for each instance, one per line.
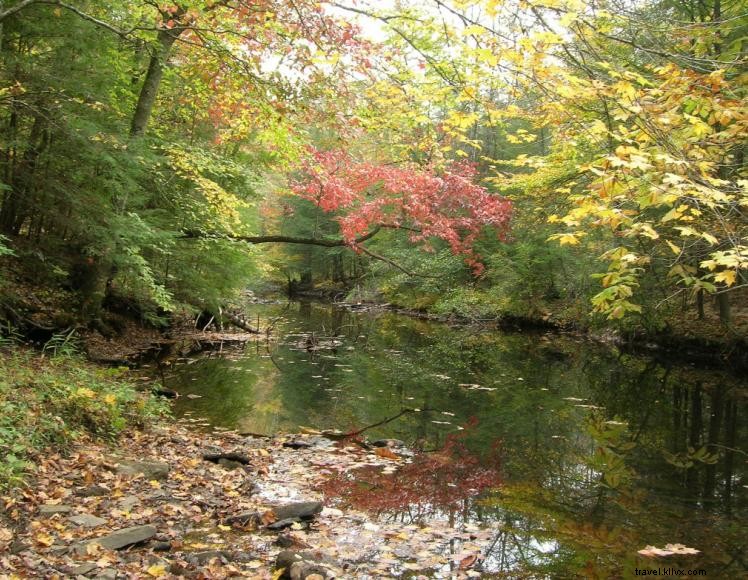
(446, 203)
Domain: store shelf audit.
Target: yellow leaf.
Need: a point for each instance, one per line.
(568, 240)
(673, 247)
(157, 570)
(709, 238)
(44, 539)
(673, 214)
(726, 276)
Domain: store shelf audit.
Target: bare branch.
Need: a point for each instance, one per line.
(277, 239)
(392, 263)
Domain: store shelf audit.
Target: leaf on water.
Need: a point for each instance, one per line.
(681, 549)
(387, 453)
(668, 550)
(468, 561)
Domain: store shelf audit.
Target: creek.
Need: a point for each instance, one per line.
(595, 454)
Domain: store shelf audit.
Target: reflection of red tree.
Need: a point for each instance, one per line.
(435, 481)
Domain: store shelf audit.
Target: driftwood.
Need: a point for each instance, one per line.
(241, 323)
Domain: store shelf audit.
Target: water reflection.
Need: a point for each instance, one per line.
(601, 453)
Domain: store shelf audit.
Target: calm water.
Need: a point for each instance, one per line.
(600, 453)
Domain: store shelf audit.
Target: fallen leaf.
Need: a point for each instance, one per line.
(386, 452)
(268, 517)
(44, 539)
(468, 561)
(157, 570)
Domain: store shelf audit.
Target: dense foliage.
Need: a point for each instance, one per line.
(146, 148)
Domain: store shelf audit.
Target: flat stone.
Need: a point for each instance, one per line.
(108, 574)
(149, 469)
(303, 510)
(206, 556)
(128, 502)
(87, 520)
(52, 509)
(125, 537)
(84, 569)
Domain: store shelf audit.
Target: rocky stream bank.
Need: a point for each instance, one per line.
(175, 502)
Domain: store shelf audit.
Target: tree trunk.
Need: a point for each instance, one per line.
(725, 312)
(16, 204)
(147, 98)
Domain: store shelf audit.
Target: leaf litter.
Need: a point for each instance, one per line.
(192, 506)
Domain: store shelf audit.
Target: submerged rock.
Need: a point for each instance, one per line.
(87, 521)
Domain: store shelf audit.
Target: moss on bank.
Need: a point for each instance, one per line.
(48, 403)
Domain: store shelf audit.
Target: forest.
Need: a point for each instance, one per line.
(561, 169)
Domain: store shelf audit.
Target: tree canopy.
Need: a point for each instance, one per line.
(145, 144)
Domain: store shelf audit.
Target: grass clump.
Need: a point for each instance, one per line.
(48, 403)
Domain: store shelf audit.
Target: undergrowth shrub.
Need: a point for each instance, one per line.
(48, 403)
